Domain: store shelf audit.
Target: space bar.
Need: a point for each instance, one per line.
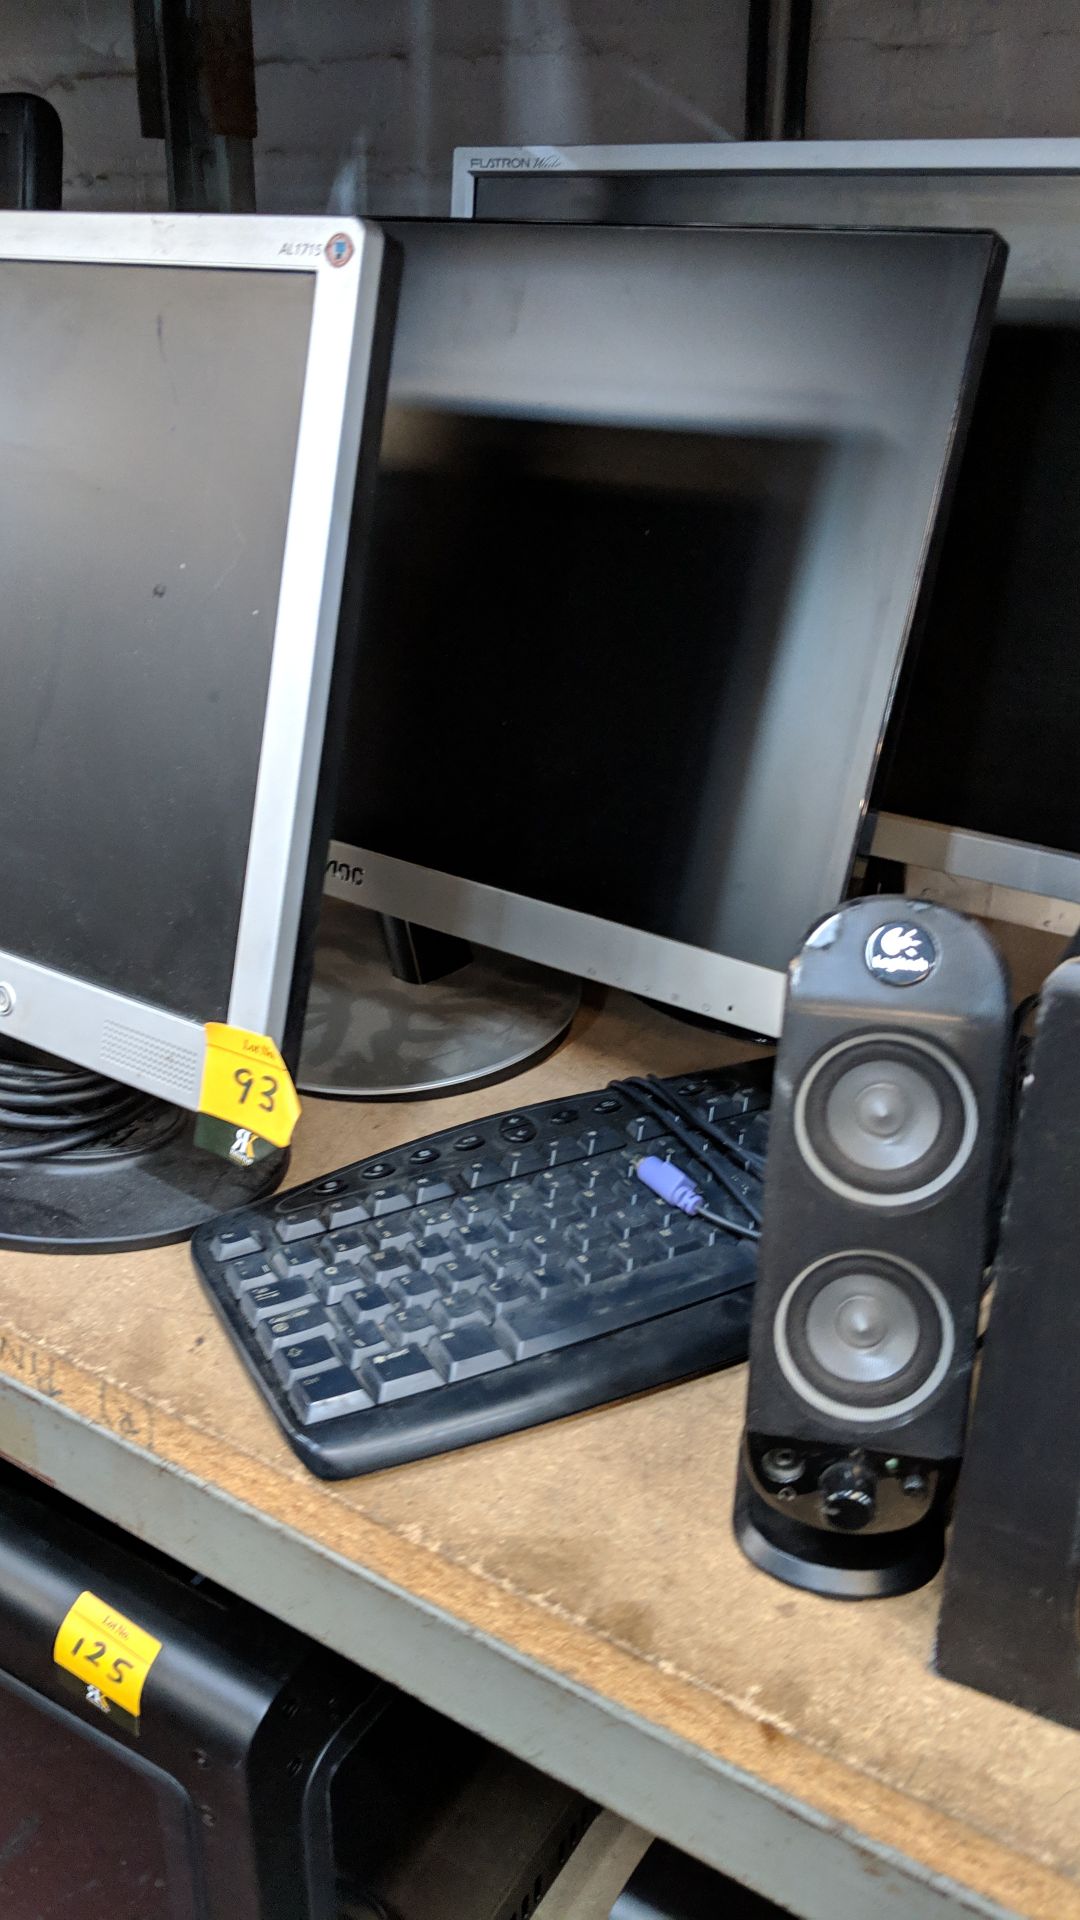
(525, 1331)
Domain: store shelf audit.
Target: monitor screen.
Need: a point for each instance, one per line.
(594, 615)
(986, 737)
(148, 425)
(650, 522)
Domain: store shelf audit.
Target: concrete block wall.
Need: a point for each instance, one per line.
(944, 69)
(361, 102)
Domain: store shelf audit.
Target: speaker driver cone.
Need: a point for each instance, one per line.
(863, 1335)
(885, 1121)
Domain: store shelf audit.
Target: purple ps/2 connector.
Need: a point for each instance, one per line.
(664, 1178)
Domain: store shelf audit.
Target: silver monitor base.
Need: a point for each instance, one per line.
(372, 1037)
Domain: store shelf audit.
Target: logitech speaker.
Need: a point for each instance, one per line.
(884, 1150)
(1010, 1618)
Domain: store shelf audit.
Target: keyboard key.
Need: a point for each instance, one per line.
(465, 1310)
(473, 1241)
(416, 1289)
(391, 1234)
(298, 1223)
(562, 1151)
(601, 1140)
(430, 1189)
(474, 1208)
(432, 1253)
(366, 1302)
(232, 1243)
(276, 1296)
(643, 1249)
(460, 1277)
(366, 1338)
(332, 1283)
(589, 1268)
(644, 1127)
(506, 1292)
(677, 1239)
(387, 1266)
(439, 1219)
(483, 1173)
(522, 1160)
(303, 1357)
(325, 1396)
(244, 1274)
(286, 1329)
(526, 1328)
(396, 1376)
(347, 1212)
(348, 1247)
(384, 1200)
(412, 1326)
(465, 1352)
(547, 1285)
(296, 1263)
(514, 1232)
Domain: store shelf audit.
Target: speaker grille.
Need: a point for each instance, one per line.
(863, 1336)
(884, 1120)
(174, 1069)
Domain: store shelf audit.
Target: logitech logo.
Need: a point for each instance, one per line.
(513, 162)
(901, 954)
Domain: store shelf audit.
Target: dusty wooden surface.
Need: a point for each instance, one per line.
(600, 1546)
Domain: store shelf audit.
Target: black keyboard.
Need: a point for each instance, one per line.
(494, 1276)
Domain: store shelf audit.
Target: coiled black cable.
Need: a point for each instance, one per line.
(62, 1109)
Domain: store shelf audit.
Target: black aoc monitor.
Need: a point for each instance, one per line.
(651, 518)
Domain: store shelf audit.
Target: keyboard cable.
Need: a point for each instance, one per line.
(640, 1093)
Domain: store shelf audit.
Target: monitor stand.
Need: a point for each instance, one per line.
(140, 1182)
(397, 1012)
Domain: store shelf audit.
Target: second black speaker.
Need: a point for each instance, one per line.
(883, 1160)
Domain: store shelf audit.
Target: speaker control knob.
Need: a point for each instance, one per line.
(848, 1495)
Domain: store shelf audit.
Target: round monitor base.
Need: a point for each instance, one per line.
(369, 1036)
(154, 1186)
(841, 1566)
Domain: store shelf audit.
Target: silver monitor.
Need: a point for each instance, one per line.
(978, 774)
(181, 405)
(652, 512)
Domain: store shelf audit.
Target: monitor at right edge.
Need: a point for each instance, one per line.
(977, 772)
